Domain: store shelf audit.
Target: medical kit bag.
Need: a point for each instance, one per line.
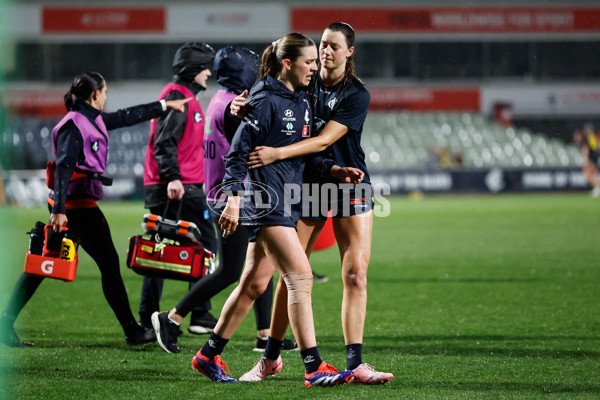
(170, 249)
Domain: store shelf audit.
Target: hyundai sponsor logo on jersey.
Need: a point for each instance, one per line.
(289, 116)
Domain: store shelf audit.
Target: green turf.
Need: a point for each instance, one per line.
(469, 297)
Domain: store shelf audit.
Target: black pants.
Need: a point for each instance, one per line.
(232, 255)
(90, 226)
(193, 209)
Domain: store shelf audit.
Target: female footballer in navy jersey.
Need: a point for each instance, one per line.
(279, 114)
(340, 104)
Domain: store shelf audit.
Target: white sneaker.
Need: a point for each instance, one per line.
(365, 373)
(596, 191)
(261, 369)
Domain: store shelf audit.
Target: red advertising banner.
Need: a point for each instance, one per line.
(34, 103)
(108, 20)
(50, 104)
(425, 99)
(450, 20)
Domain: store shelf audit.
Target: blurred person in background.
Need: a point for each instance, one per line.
(589, 157)
(80, 145)
(340, 104)
(235, 68)
(174, 171)
(2, 193)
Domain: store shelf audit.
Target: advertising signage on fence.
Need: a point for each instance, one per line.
(108, 20)
(443, 20)
(425, 99)
(547, 99)
(495, 180)
(28, 188)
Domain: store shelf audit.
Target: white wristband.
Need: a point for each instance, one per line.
(163, 103)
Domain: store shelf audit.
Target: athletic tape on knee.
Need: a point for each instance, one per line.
(299, 286)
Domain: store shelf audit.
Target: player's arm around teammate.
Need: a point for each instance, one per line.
(340, 108)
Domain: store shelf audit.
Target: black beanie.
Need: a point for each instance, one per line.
(191, 58)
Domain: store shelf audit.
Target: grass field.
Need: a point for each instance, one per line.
(469, 297)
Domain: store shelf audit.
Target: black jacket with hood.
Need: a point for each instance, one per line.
(189, 60)
(276, 117)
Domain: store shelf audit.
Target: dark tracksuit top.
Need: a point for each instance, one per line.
(276, 117)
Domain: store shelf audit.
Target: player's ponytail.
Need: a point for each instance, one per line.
(83, 87)
(288, 47)
(269, 64)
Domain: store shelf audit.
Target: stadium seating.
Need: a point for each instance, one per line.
(27, 144)
(398, 141)
(392, 141)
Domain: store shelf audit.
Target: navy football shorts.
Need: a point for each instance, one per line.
(342, 200)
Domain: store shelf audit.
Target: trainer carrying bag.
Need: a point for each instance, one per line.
(169, 249)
